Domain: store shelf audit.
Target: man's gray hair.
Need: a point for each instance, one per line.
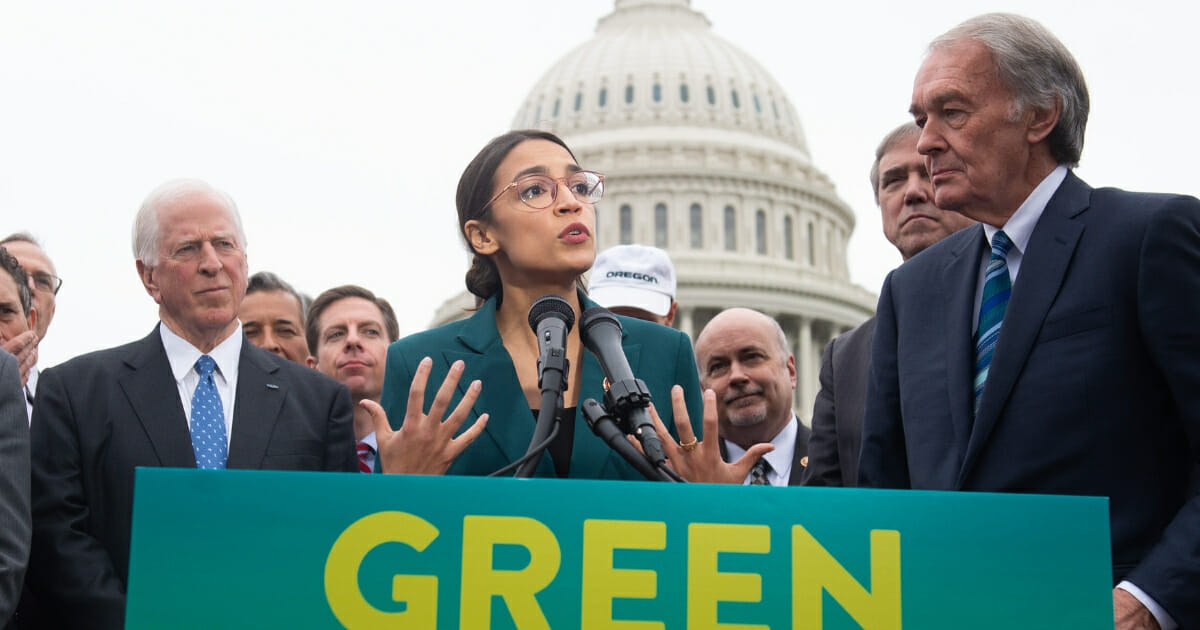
(146, 230)
(21, 237)
(1037, 69)
(894, 137)
(784, 348)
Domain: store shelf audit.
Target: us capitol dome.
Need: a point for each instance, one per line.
(704, 156)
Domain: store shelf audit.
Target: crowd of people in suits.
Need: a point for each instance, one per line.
(1038, 337)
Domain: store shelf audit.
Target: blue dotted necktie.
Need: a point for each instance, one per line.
(208, 418)
(996, 290)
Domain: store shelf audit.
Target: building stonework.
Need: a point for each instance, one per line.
(704, 156)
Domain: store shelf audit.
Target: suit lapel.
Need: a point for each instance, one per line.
(959, 279)
(1043, 268)
(799, 452)
(485, 358)
(256, 406)
(150, 388)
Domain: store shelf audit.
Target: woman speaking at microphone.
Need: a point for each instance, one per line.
(464, 396)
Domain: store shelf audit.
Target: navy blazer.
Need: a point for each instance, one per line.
(660, 356)
(1094, 387)
(99, 416)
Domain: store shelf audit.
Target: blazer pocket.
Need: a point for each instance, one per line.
(1075, 323)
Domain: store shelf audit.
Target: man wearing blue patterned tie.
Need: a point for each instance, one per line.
(193, 393)
(1054, 348)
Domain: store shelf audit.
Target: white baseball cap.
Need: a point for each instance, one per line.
(633, 275)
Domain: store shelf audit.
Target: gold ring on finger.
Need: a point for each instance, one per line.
(689, 446)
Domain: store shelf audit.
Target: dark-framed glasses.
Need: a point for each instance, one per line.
(539, 191)
(46, 282)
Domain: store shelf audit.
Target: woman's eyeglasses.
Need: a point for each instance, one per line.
(541, 191)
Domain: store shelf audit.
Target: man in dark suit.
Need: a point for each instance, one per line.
(192, 393)
(1054, 348)
(348, 329)
(44, 283)
(743, 357)
(14, 486)
(911, 222)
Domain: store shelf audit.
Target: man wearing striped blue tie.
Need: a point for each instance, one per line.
(1053, 348)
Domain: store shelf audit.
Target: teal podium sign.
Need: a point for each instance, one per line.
(228, 549)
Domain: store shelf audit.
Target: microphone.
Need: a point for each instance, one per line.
(627, 396)
(551, 318)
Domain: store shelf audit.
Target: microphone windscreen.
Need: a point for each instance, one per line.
(551, 306)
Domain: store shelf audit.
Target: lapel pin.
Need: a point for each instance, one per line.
(272, 386)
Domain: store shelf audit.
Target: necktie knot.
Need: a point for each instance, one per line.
(1000, 245)
(758, 474)
(205, 365)
(366, 457)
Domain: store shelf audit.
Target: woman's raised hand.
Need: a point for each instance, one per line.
(425, 444)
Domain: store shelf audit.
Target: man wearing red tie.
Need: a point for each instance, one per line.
(348, 330)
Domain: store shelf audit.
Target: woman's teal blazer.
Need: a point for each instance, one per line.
(660, 356)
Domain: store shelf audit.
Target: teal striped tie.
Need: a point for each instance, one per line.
(996, 290)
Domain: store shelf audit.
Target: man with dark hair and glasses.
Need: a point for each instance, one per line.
(44, 284)
(18, 317)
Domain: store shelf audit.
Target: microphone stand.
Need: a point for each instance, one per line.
(630, 397)
(603, 425)
(552, 381)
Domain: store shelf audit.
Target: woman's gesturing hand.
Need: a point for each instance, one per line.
(425, 444)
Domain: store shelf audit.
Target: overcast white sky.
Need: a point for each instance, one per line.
(341, 128)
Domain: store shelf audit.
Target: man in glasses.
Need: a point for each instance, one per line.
(44, 284)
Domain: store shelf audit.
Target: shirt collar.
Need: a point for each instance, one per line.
(1019, 226)
(32, 381)
(780, 459)
(182, 354)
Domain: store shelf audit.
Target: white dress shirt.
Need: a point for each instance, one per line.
(30, 391)
(182, 357)
(1019, 229)
(780, 459)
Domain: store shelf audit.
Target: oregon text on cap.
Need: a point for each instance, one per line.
(632, 274)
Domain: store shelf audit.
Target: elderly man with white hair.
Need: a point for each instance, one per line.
(192, 393)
